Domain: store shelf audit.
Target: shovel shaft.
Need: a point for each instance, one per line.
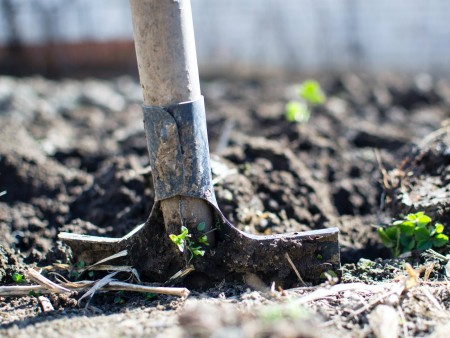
(168, 71)
(165, 51)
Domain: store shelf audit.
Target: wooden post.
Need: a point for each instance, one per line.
(168, 71)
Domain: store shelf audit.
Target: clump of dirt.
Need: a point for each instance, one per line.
(9, 263)
(420, 182)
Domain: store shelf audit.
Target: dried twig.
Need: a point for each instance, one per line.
(24, 290)
(295, 269)
(327, 292)
(98, 285)
(121, 286)
(45, 282)
(403, 321)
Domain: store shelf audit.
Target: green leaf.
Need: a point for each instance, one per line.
(149, 295)
(179, 240)
(81, 264)
(197, 251)
(414, 217)
(295, 111)
(311, 92)
(33, 293)
(407, 227)
(203, 240)
(421, 234)
(91, 274)
(407, 242)
(17, 277)
(424, 245)
(393, 233)
(439, 228)
(440, 240)
(387, 241)
(423, 220)
(201, 226)
(184, 232)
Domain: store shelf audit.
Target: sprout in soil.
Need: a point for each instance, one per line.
(183, 241)
(17, 277)
(310, 94)
(414, 232)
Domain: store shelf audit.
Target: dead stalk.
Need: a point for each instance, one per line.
(295, 269)
(24, 290)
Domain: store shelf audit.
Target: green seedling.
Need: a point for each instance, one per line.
(118, 299)
(75, 273)
(33, 293)
(183, 241)
(414, 232)
(296, 111)
(310, 94)
(17, 277)
(149, 296)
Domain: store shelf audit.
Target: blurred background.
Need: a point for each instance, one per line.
(58, 38)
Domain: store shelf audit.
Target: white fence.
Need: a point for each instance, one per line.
(305, 35)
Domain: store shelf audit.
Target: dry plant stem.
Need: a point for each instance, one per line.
(168, 72)
(327, 292)
(45, 282)
(121, 286)
(24, 290)
(295, 269)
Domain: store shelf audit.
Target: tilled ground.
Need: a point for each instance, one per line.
(73, 158)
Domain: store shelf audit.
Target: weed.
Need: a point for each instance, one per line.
(118, 299)
(297, 112)
(17, 277)
(33, 293)
(310, 94)
(201, 226)
(183, 241)
(414, 232)
(149, 296)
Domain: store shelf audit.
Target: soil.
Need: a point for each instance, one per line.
(73, 158)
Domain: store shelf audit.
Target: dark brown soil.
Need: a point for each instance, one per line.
(73, 158)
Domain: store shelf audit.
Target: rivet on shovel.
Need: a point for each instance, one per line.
(175, 127)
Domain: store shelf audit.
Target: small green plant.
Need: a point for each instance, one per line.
(414, 232)
(17, 277)
(33, 293)
(149, 296)
(118, 298)
(310, 94)
(183, 241)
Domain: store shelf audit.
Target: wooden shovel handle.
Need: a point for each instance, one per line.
(165, 50)
(168, 71)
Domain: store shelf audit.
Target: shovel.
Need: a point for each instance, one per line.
(186, 233)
